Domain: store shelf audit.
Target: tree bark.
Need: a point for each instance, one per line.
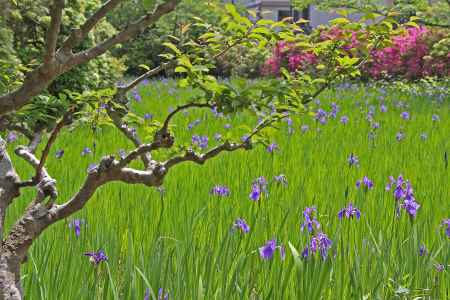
(10, 287)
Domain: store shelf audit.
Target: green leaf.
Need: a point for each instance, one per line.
(148, 4)
(145, 67)
(340, 21)
(172, 47)
(295, 254)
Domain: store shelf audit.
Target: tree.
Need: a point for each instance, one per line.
(272, 99)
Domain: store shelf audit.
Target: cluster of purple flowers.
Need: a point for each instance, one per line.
(334, 110)
(259, 186)
(216, 112)
(321, 116)
(404, 196)
(241, 225)
(200, 141)
(220, 190)
(320, 243)
(268, 250)
(349, 212)
(366, 182)
(136, 96)
(310, 219)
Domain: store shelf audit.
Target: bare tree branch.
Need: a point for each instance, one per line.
(53, 31)
(180, 108)
(78, 35)
(64, 120)
(35, 141)
(130, 31)
(132, 136)
(8, 184)
(38, 80)
(190, 155)
(164, 66)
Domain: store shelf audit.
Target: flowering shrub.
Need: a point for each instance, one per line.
(415, 53)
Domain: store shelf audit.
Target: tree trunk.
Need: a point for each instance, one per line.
(10, 287)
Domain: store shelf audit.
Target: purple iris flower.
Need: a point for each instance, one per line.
(411, 207)
(344, 120)
(59, 153)
(404, 196)
(304, 128)
(220, 190)
(353, 160)
(258, 187)
(86, 151)
(241, 225)
(147, 294)
(405, 115)
(162, 295)
(423, 250)
(423, 136)
(76, 225)
(91, 168)
(400, 136)
(334, 110)
(11, 137)
(145, 82)
(96, 257)
(383, 108)
(255, 193)
(320, 243)
(310, 220)
(349, 212)
(193, 124)
(227, 126)
(200, 141)
(272, 148)
(321, 116)
(216, 112)
(446, 223)
(435, 118)
(375, 125)
(136, 96)
(440, 268)
(367, 182)
(217, 136)
(148, 116)
(244, 138)
(268, 250)
(281, 179)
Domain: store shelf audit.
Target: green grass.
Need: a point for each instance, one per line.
(183, 242)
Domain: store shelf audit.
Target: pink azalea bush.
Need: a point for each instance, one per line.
(411, 54)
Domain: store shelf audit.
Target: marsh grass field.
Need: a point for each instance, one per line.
(182, 239)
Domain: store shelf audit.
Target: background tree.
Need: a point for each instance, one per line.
(272, 99)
